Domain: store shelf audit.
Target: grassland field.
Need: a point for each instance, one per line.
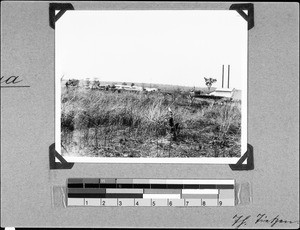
(97, 123)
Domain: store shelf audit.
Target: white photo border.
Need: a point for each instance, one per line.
(192, 160)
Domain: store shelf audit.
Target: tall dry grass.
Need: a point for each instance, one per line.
(107, 124)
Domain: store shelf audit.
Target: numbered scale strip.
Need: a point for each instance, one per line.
(150, 192)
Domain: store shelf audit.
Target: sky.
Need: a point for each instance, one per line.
(178, 47)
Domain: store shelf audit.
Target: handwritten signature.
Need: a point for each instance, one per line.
(241, 220)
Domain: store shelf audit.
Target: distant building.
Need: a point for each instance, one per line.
(223, 92)
(129, 88)
(151, 89)
(136, 88)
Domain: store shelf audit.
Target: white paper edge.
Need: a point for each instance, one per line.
(204, 160)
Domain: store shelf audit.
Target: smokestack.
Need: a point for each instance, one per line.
(228, 76)
(222, 76)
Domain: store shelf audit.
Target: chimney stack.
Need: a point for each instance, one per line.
(228, 76)
(222, 76)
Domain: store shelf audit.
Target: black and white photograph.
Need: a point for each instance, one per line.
(157, 86)
(149, 114)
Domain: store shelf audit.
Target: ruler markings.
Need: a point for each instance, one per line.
(149, 192)
(125, 202)
(142, 202)
(193, 202)
(159, 202)
(176, 202)
(109, 202)
(92, 201)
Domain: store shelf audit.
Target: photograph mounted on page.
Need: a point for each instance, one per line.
(137, 86)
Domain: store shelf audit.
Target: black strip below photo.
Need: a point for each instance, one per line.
(161, 186)
(141, 186)
(207, 186)
(104, 195)
(123, 195)
(91, 185)
(75, 185)
(174, 186)
(124, 185)
(108, 185)
(225, 186)
(191, 186)
(86, 195)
